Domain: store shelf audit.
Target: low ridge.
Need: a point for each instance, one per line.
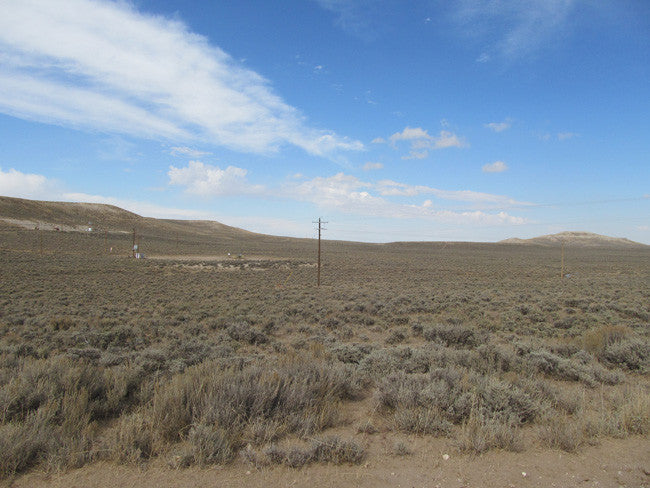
(576, 239)
(69, 216)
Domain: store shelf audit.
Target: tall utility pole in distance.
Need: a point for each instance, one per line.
(320, 222)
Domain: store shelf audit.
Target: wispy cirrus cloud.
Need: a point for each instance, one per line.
(511, 29)
(105, 66)
(187, 151)
(358, 18)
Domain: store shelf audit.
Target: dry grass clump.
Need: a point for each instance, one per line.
(401, 449)
(431, 403)
(133, 439)
(210, 445)
(632, 353)
(606, 414)
(595, 341)
(327, 450)
(24, 444)
(571, 369)
(482, 432)
(351, 353)
(50, 409)
(59, 431)
(618, 346)
(563, 433)
(218, 409)
(454, 334)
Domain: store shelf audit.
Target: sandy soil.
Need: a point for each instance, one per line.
(614, 463)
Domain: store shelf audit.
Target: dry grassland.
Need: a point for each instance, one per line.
(192, 362)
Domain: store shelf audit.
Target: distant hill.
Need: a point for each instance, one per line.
(114, 227)
(69, 216)
(576, 239)
(78, 217)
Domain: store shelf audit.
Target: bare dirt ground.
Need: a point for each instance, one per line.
(208, 257)
(613, 463)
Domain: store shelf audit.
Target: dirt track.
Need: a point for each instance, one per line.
(614, 463)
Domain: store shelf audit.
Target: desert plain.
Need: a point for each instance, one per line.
(217, 360)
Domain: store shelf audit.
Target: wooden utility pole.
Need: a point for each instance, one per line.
(133, 247)
(562, 270)
(320, 222)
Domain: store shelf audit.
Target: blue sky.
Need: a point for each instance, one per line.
(392, 120)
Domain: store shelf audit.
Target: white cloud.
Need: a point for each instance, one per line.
(348, 194)
(447, 139)
(411, 134)
(207, 180)
(421, 141)
(393, 188)
(187, 151)
(378, 140)
(499, 126)
(369, 166)
(104, 66)
(14, 183)
(338, 191)
(496, 167)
